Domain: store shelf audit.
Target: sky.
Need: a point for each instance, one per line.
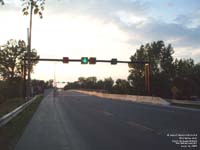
(103, 29)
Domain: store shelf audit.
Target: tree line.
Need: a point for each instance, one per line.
(107, 85)
(169, 77)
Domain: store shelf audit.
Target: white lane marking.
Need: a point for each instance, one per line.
(140, 126)
(72, 95)
(106, 113)
(160, 109)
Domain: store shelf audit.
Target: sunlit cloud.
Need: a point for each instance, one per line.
(103, 29)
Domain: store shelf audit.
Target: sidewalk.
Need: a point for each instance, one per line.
(45, 130)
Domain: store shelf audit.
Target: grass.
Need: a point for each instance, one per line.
(11, 132)
(10, 105)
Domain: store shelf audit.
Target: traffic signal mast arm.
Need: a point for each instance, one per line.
(79, 60)
(92, 60)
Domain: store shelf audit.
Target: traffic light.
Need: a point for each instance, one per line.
(84, 60)
(113, 61)
(92, 60)
(65, 60)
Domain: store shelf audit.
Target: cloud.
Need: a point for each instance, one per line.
(11, 5)
(184, 40)
(106, 10)
(134, 18)
(190, 20)
(97, 6)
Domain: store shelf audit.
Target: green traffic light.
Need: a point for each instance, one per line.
(84, 60)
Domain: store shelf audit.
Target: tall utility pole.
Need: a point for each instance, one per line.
(29, 51)
(24, 76)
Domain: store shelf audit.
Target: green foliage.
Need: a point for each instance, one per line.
(11, 58)
(165, 73)
(108, 84)
(13, 130)
(166, 61)
(2, 2)
(121, 87)
(160, 58)
(186, 78)
(100, 84)
(10, 55)
(11, 88)
(49, 84)
(184, 67)
(91, 83)
(36, 5)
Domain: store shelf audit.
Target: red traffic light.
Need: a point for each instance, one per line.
(65, 60)
(92, 60)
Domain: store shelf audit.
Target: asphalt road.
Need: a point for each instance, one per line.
(83, 122)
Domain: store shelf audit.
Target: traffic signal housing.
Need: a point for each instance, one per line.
(84, 60)
(65, 59)
(92, 60)
(113, 61)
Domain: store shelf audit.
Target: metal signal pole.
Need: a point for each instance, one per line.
(29, 51)
(147, 78)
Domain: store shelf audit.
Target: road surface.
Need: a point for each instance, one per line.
(75, 121)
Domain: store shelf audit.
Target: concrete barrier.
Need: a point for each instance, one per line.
(186, 102)
(134, 98)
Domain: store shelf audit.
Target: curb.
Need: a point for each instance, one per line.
(6, 118)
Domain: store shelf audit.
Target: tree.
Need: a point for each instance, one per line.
(81, 82)
(187, 78)
(166, 62)
(2, 2)
(36, 5)
(108, 84)
(161, 68)
(11, 58)
(121, 86)
(196, 77)
(72, 85)
(184, 67)
(100, 84)
(91, 82)
(11, 88)
(49, 84)
(38, 86)
(136, 77)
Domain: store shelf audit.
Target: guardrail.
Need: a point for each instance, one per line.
(6, 118)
